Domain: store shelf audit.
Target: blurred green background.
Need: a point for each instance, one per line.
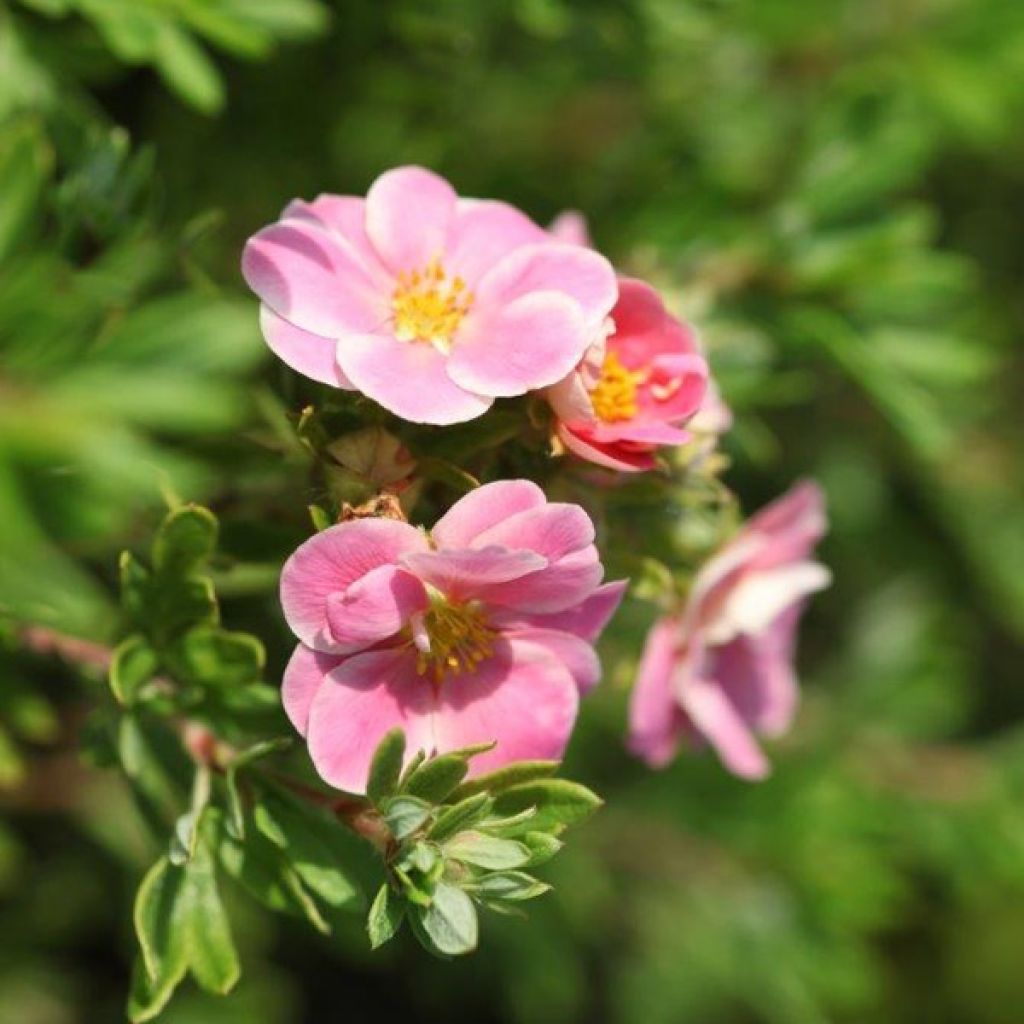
(831, 189)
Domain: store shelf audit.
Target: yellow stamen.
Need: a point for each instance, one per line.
(614, 395)
(459, 638)
(429, 307)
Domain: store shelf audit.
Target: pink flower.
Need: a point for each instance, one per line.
(722, 670)
(633, 391)
(482, 630)
(431, 305)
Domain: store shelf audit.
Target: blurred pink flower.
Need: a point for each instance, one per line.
(482, 630)
(633, 390)
(430, 304)
(570, 226)
(722, 670)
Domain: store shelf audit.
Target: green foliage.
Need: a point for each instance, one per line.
(827, 189)
(445, 854)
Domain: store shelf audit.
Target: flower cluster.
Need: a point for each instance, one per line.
(482, 630)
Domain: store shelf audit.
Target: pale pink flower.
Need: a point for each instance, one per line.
(634, 390)
(430, 304)
(721, 671)
(480, 631)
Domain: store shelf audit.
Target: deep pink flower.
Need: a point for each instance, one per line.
(722, 670)
(633, 391)
(482, 630)
(431, 305)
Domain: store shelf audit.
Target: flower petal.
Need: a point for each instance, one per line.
(408, 378)
(656, 722)
(580, 273)
(483, 232)
(309, 354)
(305, 671)
(586, 620)
(375, 607)
(552, 530)
(521, 345)
(719, 721)
(760, 596)
(409, 212)
(570, 227)
(460, 575)
(311, 278)
(562, 585)
(329, 562)
(345, 216)
(611, 456)
(522, 697)
(363, 698)
(575, 654)
(482, 508)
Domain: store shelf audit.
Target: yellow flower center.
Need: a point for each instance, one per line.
(459, 637)
(614, 395)
(428, 306)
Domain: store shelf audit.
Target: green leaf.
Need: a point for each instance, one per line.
(26, 163)
(318, 846)
(542, 847)
(187, 69)
(134, 663)
(450, 921)
(319, 518)
(210, 656)
(147, 998)
(386, 766)
(559, 803)
(156, 917)
(385, 918)
(236, 815)
(485, 851)
(511, 775)
(185, 540)
(509, 885)
(434, 780)
(211, 949)
(461, 815)
(262, 869)
(405, 814)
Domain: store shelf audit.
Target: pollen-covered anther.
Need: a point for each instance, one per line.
(429, 306)
(614, 396)
(454, 638)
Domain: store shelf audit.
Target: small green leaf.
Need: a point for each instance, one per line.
(134, 663)
(385, 917)
(450, 921)
(484, 851)
(509, 885)
(405, 814)
(263, 870)
(319, 517)
(461, 815)
(211, 949)
(319, 847)
(185, 540)
(511, 775)
(187, 69)
(559, 803)
(155, 914)
(434, 780)
(148, 997)
(386, 766)
(210, 656)
(236, 817)
(542, 847)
